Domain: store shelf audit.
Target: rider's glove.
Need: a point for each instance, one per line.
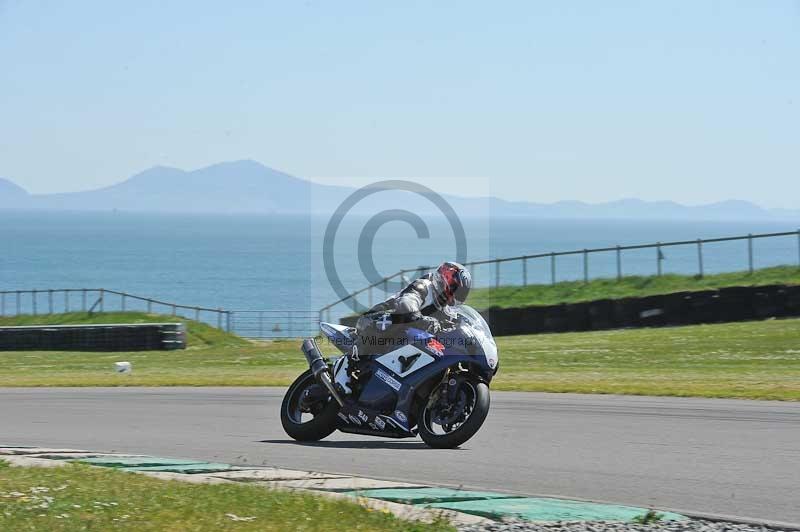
(431, 324)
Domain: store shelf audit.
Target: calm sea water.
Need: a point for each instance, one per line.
(275, 262)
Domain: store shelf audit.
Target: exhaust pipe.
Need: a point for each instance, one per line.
(319, 368)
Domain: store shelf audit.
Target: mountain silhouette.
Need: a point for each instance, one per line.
(250, 187)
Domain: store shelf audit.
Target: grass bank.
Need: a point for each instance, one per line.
(630, 286)
(754, 360)
(78, 497)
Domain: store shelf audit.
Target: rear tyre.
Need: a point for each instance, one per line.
(444, 435)
(307, 424)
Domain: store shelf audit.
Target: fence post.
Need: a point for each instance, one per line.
(497, 274)
(619, 264)
(385, 286)
(66, 300)
(319, 318)
(83, 300)
(174, 310)
(219, 319)
(2, 304)
(102, 300)
(586, 266)
(122, 297)
(798, 248)
(33, 302)
(659, 258)
(18, 304)
(369, 296)
(552, 268)
(524, 271)
(750, 252)
(228, 320)
(50, 301)
(700, 257)
(150, 307)
(196, 314)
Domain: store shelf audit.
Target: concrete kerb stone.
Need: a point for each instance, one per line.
(273, 474)
(37, 450)
(341, 484)
(26, 461)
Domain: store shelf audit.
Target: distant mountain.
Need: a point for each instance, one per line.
(250, 187)
(9, 190)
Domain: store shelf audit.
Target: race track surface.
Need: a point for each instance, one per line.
(729, 457)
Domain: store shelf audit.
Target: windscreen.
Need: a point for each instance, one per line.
(475, 320)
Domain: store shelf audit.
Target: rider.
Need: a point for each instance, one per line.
(422, 304)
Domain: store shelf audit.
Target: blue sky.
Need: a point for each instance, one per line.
(692, 101)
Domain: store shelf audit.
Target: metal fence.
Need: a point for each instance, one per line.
(262, 324)
(516, 271)
(245, 323)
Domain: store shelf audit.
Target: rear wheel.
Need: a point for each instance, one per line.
(449, 424)
(304, 420)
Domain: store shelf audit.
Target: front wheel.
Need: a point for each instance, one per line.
(448, 425)
(304, 420)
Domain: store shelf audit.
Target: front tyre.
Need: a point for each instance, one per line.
(307, 422)
(448, 426)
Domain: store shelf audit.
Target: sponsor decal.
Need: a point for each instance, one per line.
(436, 346)
(384, 322)
(381, 424)
(355, 420)
(400, 416)
(362, 416)
(388, 379)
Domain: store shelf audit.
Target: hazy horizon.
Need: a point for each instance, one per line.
(692, 102)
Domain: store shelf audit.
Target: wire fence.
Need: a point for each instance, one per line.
(257, 324)
(264, 324)
(692, 256)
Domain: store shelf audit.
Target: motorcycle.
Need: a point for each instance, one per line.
(434, 386)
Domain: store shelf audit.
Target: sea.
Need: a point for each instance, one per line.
(277, 262)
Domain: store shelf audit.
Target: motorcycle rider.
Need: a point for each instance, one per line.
(423, 304)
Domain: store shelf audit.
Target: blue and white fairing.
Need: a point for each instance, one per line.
(385, 403)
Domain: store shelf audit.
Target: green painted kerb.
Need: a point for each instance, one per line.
(425, 495)
(539, 509)
(499, 505)
(153, 463)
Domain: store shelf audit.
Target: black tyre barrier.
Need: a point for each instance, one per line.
(770, 301)
(703, 307)
(793, 300)
(738, 303)
(116, 337)
(601, 314)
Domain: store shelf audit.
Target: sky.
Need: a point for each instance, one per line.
(693, 101)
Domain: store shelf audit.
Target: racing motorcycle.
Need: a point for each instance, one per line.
(436, 386)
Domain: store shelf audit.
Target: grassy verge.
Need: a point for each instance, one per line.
(749, 360)
(632, 286)
(756, 360)
(79, 497)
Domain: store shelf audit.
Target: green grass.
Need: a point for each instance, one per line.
(631, 286)
(749, 360)
(755, 360)
(78, 497)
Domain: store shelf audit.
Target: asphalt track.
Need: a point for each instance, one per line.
(728, 457)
